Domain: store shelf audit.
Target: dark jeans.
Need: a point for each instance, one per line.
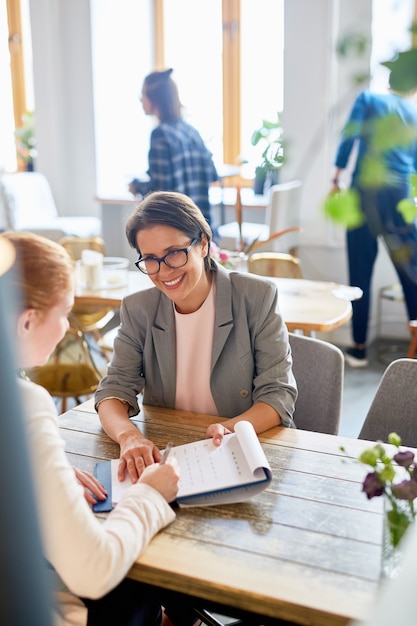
(135, 604)
(400, 238)
(128, 604)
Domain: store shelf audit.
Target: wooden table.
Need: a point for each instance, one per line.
(307, 549)
(307, 305)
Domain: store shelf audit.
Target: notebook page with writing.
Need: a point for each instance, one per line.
(232, 472)
(209, 474)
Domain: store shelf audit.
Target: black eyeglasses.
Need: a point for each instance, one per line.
(174, 259)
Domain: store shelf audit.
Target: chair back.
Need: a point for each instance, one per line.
(91, 317)
(318, 368)
(394, 407)
(283, 210)
(70, 371)
(28, 199)
(75, 245)
(277, 264)
(27, 203)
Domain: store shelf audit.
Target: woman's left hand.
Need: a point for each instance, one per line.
(217, 432)
(93, 490)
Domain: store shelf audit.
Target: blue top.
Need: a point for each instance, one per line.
(369, 110)
(180, 161)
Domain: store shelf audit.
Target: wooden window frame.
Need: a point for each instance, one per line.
(17, 66)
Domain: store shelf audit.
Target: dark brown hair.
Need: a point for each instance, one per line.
(44, 271)
(162, 93)
(169, 209)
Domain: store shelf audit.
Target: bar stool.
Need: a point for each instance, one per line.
(412, 348)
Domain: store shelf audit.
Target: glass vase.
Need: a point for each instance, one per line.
(397, 518)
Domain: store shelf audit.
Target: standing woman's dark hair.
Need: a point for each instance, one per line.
(162, 92)
(169, 209)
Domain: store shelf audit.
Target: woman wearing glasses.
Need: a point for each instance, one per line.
(202, 339)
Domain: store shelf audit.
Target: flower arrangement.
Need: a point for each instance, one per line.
(396, 479)
(221, 256)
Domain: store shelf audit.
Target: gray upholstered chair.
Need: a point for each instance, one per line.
(318, 368)
(394, 407)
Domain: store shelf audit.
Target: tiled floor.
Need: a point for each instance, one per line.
(361, 384)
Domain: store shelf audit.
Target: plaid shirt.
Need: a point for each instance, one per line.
(179, 161)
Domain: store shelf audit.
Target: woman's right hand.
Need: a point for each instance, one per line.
(164, 478)
(136, 453)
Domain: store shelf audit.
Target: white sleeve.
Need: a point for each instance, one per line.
(90, 556)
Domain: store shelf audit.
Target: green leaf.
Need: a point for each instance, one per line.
(369, 457)
(398, 522)
(394, 439)
(413, 180)
(408, 210)
(390, 132)
(343, 207)
(387, 474)
(374, 174)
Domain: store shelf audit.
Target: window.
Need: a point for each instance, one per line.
(222, 52)
(16, 84)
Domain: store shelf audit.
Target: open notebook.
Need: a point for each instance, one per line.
(209, 474)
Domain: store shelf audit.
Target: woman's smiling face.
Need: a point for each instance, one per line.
(187, 286)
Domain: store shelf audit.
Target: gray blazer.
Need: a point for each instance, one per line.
(251, 358)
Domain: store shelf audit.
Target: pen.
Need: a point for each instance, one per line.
(166, 452)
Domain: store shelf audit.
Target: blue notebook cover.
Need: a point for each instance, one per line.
(102, 472)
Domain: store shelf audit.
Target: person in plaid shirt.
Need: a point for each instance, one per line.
(178, 158)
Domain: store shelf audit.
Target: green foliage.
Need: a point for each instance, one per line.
(398, 522)
(408, 210)
(381, 482)
(403, 68)
(353, 44)
(343, 207)
(389, 132)
(25, 135)
(374, 173)
(270, 133)
(413, 181)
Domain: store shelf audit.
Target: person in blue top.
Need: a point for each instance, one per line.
(178, 158)
(383, 127)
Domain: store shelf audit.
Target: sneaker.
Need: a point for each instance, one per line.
(356, 357)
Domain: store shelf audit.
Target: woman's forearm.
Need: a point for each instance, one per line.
(113, 414)
(261, 415)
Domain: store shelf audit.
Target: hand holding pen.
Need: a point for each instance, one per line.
(163, 476)
(166, 453)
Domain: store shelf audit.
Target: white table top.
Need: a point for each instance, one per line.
(307, 305)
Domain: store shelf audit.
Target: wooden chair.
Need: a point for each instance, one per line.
(282, 211)
(70, 371)
(76, 245)
(278, 264)
(412, 348)
(92, 318)
(393, 408)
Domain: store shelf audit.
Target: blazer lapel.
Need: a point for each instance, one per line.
(163, 334)
(224, 318)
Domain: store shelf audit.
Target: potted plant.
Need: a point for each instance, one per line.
(270, 133)
(26, 142)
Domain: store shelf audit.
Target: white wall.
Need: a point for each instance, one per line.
(318, 94)
(64, 102)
